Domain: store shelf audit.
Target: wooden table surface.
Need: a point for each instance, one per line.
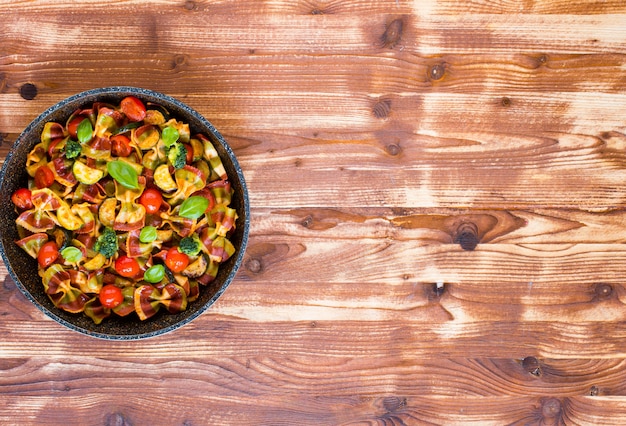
(381, 140)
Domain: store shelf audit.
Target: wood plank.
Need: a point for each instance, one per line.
(125, 408)
(340, 377)
(424, 34)
(390, 261)
(404, 72)
(440, 226)
(224, 336)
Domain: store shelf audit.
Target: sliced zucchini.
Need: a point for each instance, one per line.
(164, 179)
(107, 212)
(67, 219)
(197, 268)
(95, 263)
(85, 174)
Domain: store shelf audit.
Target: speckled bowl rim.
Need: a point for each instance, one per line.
(139, 92)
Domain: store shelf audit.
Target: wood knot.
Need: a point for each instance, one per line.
(594, 391)
(28, 91)
(393, 403)
(506, 102)
(434, 291)
(117, 419)
(254, 265)
(551, 408)
(190, 5)
(436, 72)
(393, 149)
(382, 109)
(179, 61)
(531, 365)
(542, 59)
(392, 35)
(467, 236)
(603, 291)
(317, 11)
(307, 221)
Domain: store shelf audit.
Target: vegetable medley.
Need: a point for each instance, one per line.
(125, 211)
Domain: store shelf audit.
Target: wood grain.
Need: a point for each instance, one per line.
(371, 135)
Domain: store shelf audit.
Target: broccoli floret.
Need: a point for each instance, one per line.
(107, 243)
(190, 245)
(177, 154)
(72, 149)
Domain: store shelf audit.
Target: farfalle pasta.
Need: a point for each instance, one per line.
(125, 211)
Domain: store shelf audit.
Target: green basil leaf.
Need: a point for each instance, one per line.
(193, 207)
(170, 136)
(154, 274)
(123, 173)
(148, 234)
(72, 254)
(84, 131)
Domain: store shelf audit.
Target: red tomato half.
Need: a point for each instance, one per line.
(110, 296)
(44, 177)
(151, 199)
(133, 108)
(120, 146)
(48, 253)
(22, 199)
(175, 260)
(127, 266)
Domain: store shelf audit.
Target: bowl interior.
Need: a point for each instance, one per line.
(23, 268)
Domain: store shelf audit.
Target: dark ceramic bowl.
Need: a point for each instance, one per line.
(23, 268)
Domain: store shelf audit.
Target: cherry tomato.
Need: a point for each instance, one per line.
(44, 177)
(120, 146)
(175, 260)
(48, 253)
(72, 126)
(151, 199)
(110, 296)
(22, 199)
(126, 266)
(133, 108)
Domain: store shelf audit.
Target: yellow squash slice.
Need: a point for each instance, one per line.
(163, 178)
(85, 174)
